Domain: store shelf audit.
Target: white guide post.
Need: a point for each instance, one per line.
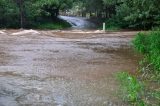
(104, 26)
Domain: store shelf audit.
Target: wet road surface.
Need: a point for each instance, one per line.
(79, 22)
(63, 68)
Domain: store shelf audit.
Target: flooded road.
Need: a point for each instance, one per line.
(63, 68)
(79, 22)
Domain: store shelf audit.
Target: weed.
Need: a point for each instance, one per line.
(149, 45)
(131, 89)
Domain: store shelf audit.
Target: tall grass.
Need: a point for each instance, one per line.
(148, 93)
(131, 90)
(149, 45)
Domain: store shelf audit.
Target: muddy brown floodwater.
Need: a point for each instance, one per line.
(63, 68)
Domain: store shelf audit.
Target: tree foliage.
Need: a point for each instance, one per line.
(8, 13)
(28, 12)
(142, 14)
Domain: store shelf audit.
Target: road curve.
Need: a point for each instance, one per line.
(79, 22)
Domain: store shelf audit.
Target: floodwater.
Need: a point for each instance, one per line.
(79, 22)
(63, 68)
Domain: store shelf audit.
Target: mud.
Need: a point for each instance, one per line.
(62, 68)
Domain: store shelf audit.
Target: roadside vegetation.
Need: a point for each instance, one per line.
(135, 14)
(144, 88)
(41, 14)
(57, 24)
(118, 14)
(131, 89)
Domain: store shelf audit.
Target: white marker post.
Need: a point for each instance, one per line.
(104, 26)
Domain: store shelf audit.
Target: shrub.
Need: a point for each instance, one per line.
(57, 24)
(149, 45)
(112, 24)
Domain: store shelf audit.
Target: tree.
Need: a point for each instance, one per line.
(140, 13)
(27, 13)
(8, 13)
(20, 4)
(52, 7)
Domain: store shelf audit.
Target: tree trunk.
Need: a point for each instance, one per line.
(21, 13)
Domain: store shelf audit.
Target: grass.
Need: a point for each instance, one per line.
(144, 89)
(131, 90)
(149, 45)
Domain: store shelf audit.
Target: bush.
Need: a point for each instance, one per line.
(133, 91)
(49, 24)
(149, 45)
(112, 24)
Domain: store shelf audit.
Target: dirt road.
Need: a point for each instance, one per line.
(63, 68)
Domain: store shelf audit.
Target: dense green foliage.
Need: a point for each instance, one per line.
(149, 44)
(57, 24)
(8, 13)
(135, 14)
(139, 14)
(142, 14)
(30, 13)
(132, 89)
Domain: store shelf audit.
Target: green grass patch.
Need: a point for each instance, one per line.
(149, 45)
(131, 90)
(143, 89)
